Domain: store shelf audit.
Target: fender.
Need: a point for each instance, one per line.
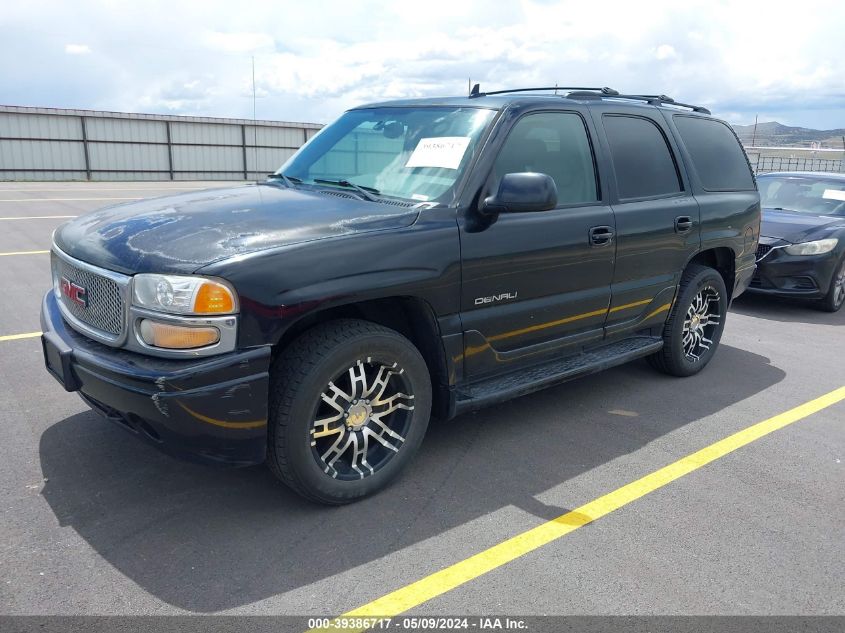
(279, 287)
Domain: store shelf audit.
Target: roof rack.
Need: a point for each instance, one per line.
(594, 93)
(476, 90)
(663, 99)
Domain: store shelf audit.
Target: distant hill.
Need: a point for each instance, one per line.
(774, 134)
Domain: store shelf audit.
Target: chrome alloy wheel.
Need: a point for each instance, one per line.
(839, 286)
(701, 320)
(362, 420)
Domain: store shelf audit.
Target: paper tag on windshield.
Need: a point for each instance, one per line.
(441, 151)
(834, 194)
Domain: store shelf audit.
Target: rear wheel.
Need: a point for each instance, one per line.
(694, 328)
(835, 297)
(349, 407)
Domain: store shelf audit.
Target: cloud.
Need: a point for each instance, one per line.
(77, 49)
(665, 51)
(185, 96)
(311, 63)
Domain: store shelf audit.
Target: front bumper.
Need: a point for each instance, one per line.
(211, 409)
(781, 274)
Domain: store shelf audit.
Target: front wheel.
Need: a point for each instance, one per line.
(835, 297)
(349, 406)
(694, 328)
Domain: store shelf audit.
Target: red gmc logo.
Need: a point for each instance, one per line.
(74, 292)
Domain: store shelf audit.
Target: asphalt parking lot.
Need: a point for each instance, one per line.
(95, 522)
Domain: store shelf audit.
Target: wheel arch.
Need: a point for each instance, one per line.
(720, 258)
(413, 317)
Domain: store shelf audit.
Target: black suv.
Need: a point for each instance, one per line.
(415, 258)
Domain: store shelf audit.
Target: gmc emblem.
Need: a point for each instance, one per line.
(74, 292)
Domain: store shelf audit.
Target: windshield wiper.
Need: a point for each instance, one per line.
(366, 192)
(288, 180)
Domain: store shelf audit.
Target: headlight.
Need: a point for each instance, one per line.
(819, 247)
(183, 294)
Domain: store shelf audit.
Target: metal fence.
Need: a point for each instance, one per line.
(55, 144)
(763, 164)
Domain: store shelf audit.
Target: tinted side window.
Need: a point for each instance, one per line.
(641, 157)
(716, 155)
(553, 143)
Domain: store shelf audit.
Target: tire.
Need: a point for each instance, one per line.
(674, 358)
(312, 447)
(835, 297)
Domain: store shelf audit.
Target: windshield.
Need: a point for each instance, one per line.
(818, 196)
(416, 154)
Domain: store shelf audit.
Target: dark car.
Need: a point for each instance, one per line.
(802, 245)
(416, 257)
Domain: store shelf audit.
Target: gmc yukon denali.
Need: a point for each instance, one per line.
(415, 258)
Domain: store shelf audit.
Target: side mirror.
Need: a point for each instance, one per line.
(522, 192)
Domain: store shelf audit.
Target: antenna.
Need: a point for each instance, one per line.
(754, 133)
(476, 90)
(254, 126)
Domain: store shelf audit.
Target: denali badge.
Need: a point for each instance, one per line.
(74, 292)
(502, 297)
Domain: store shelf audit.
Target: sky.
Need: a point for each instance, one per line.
(315, 58)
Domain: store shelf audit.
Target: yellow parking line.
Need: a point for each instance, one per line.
(15, 337)
(456, 575)
(61, 199)
(39, 217)
(23, 253)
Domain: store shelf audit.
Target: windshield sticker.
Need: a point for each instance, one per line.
(419, 196)
(442, 151)
(834, 194)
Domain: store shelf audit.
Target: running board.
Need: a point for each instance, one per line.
(524, 381)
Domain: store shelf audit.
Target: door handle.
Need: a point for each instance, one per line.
(601, 235)
(683, 223)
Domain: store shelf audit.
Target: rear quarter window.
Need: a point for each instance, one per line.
(717, 156)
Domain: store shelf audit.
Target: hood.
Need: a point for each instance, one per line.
(797, 227)
(184, 232)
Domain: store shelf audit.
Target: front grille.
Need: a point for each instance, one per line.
(763, 250)
(105, 311)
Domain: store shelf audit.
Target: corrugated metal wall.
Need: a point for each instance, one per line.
(54, 144)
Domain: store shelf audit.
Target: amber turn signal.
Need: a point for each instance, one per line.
(213, 298)
(169, 336)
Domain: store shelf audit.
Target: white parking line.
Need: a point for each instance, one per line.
(74, 189)
(61, 199)
(39, 217)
